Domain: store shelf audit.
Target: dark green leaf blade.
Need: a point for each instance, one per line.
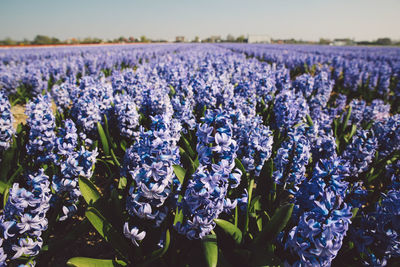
(103, 139)
(90, 262)
(107, 231)
(278, 221)
(179, 172)
(88, 190)
(210, 249)
(230, 229)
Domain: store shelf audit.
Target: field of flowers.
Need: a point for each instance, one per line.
(200, 155)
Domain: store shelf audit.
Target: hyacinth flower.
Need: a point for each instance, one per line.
(289, 108)
(72, 165)
(377, 236)
(360, 152)
(292, 158)
(388, 134)
(254, 142)
(41, 121)
(205, 196)
(9, 80)
(305, 84)
(61, 95)
(78, 163)
(156, 102)
(91, 101)
(126, 114)
(134, 235)
(357, 111)
(183, 103)
(149, 161)
(34, 81)
(24, 218)
(321, 217)
(67, 139)
(377, 111)
(6, 123)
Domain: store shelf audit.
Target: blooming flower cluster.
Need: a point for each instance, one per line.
(388, 134)
(42, 126)
(360, 153)
(378, 234)
(6, 122)
(72, 165)
(292, 158)
(24, 218)
(61, 95)
(254, 142)
(91, 102)
(149, 162)
(126, 114)
(205, 196)
(322, 217)
(290, 108)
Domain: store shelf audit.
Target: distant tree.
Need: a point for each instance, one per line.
(196, 39)
(8, 41)
(384, 41)
(42, 40)
(241, 39)
(323, 41)
(143, 39)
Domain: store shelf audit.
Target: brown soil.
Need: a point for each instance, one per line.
(18, 112)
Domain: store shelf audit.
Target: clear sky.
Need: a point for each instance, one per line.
(300, 19)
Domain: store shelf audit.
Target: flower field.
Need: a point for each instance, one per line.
(200, 155)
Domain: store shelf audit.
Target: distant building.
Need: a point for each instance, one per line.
(258, 38)
(180, 39)
(341, 42)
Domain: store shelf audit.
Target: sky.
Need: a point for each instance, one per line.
(165, 19)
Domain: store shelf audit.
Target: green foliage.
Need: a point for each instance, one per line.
(210, 250)
(108, 232)
(89, 262)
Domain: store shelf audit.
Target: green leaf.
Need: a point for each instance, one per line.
(3, 187)
(278, 221)
(88, 190)
(240, 166)
(210, 249)
(179, 172)
(354, 212)
(103, 139)
(115, 158)
(5, 196)
(346, 120)
(262, 258)
(353, 131)
(90, 262)
(172, 91)
(107, 231)
(250, 194)
(230, 229)
(196, 163)
(188, 147)
(107, 132)
(159, 252)
(309, 120)
(7, 161)
(123, 145)
(122, 183)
